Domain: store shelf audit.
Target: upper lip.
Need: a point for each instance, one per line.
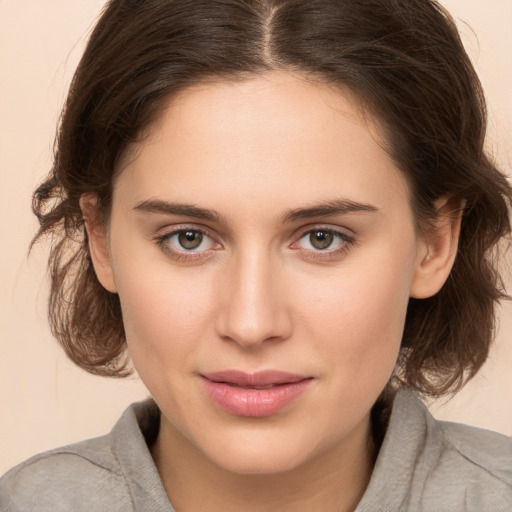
(261, 378)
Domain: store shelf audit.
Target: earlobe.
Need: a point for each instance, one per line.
(98, 244)
(437, 249)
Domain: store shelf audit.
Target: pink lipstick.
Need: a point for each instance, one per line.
(254, 394)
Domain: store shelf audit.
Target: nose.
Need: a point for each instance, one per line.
(252, 302)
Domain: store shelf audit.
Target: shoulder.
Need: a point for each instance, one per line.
(484, 449)
(425, 465)
(111, 473)
(82, 476)
(460, 466)
(474, 463)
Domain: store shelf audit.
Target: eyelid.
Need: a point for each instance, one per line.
(344, 233)
(184, 226)
(162, 238)
(346, 239)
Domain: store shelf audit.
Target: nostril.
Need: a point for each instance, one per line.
(252, 306)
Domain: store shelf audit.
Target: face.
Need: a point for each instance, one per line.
(264, 251)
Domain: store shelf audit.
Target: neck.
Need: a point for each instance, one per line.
(334, 480)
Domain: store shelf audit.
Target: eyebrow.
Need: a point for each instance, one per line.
(324, 209)
(329, 208)
(187, 210)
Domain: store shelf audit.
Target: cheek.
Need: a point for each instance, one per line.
(164, 312)
(358, 319)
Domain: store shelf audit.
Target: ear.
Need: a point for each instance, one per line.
(98, 242)
(437, 249)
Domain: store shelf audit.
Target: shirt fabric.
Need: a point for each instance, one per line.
(424, 465)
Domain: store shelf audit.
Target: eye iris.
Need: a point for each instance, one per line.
(321, 239)
(190, 239)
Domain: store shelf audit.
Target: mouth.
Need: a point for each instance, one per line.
(254, 394)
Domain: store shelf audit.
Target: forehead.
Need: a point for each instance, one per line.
(268, 133)
(263, 107)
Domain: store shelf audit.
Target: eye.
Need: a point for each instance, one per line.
(320, 239)
(325, 240)
(186, 242)
(189, 240)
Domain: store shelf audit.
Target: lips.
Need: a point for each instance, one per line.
(254, 394)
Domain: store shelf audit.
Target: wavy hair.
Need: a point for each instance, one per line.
(405, 62)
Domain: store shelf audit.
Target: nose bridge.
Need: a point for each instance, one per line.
(253, 309)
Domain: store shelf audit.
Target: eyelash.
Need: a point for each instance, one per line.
(188, 256)
(345, 240)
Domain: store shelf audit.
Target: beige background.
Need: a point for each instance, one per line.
(46, 401)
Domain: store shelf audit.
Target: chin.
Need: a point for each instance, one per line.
(260, 452)
(260, 463)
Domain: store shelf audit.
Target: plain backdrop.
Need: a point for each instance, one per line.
(45, 400)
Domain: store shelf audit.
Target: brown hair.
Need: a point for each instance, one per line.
(404, 60)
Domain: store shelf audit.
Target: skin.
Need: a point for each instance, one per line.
(257, 294)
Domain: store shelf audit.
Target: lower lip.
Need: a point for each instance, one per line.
(255, 402)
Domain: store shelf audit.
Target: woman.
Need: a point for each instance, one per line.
(282, 213)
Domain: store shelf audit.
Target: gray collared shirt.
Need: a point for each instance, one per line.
(424, 465)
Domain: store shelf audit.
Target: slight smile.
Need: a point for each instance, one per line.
(254, 394)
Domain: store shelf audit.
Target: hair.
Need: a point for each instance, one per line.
(403, 60)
